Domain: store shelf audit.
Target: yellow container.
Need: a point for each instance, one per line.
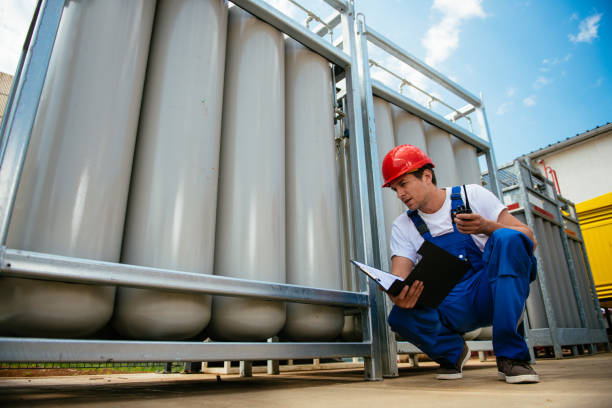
(595, 217)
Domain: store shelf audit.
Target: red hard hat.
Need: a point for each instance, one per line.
(403, 159)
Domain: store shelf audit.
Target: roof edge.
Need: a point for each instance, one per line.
(571, 141)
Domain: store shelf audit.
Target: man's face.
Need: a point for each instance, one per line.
(411, 190)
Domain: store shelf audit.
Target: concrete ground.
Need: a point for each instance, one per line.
(584, 381)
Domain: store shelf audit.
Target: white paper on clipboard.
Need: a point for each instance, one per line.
(384, 279)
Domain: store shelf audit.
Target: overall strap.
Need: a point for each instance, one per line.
(456, 199)
(457, 203)
(419, 224)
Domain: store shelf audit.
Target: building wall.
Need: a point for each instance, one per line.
(584, 170)
(5, 87)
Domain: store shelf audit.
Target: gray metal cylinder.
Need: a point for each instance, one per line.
(313, 222)
(536, 310)
(408, 128)
(551, 265)
(566, 295)
(173, 199)
(385, 141)
(250, 237)
(466, 160)
(584, 283)
(440, 150)
(73, 190)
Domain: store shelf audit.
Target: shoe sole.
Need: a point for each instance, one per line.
(456, 376)
(519, 379)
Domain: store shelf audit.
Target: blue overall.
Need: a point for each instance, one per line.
(493, 292)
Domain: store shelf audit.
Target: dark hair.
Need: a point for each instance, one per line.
(419, 173)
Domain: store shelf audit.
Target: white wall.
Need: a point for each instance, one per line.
(584, 170)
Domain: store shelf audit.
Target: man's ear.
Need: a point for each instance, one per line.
(427, 176)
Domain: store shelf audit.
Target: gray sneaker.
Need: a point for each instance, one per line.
(515, 371)
(454, 372)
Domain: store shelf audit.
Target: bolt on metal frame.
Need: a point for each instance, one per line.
(554, 335)
(24, 264)
(365, 35)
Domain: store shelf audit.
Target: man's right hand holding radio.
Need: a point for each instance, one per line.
(472, 223)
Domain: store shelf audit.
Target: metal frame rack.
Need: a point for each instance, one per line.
(530, 195)
(23, 105)
(482, 142)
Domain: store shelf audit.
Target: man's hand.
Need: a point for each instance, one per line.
(472, 224)
(408, 297)
(476, 224)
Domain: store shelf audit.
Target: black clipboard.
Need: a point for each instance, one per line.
(438, 269)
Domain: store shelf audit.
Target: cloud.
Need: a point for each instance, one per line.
(541, 82)
(510, 91)
(551, 61)
(443, 37)
(588, 29)
(15, 17)
(598, 82)
(529, 101)
(573, 17)
(504, 107)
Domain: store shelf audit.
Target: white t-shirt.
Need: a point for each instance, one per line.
(406, 240)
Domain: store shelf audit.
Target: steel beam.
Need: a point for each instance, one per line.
(404, 347)
(21, 115)
(416, 109)
(330, 22)
(65, 350)
(339, 5)
(363, 233)
(464, 111)
(388, 350)
(490, 154)
(283, 23)
(33, 265)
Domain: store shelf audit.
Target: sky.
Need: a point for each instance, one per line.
(544, 68)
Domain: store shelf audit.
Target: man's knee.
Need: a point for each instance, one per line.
(512, 249)
(512, 241)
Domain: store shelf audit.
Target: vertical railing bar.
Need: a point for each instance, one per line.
(27, 96)
(17, 79)
(363, 231)
(485, 133)
(387, 338)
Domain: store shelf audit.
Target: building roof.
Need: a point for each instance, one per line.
(562, 144)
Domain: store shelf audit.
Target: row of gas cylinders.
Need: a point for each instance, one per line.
(180, 135)
(190, 137)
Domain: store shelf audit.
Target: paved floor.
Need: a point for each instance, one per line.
(584, 381)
